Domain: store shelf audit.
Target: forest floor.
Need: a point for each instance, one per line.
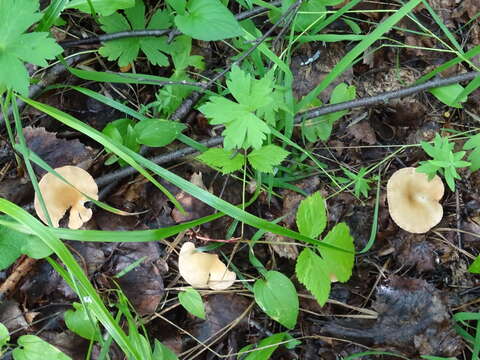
(407, 292)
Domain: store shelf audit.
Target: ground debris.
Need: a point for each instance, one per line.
(413, 318)
(56, 152)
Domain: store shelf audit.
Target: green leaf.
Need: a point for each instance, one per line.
(266, 347)
(158, 132)
(178, 5)
(311, 272)
(474, 144)
(208, 20)
(80, 323)
(448, 94)
(162, 352)
(16, 16)
(248, 91)
(31, 347)
(221, 110)
(311, 215)
(126, 50)
(278, 298)
(243, 128)
(102, 7)
(13, 244)
(265, 158)
(222, 159)
(4, 336)
(474, 268)
(245, 132)
(191, 300)
(339, 263)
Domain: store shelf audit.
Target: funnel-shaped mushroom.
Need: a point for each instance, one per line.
(203, 270)
(413, 200)
(59, 196)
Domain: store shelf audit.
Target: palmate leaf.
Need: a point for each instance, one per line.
(243, 128)
(16, 16)
(244, 132)
(126, 50)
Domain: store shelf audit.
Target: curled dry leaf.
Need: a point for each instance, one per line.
(203, 270)
(59, 196)
(413, 200)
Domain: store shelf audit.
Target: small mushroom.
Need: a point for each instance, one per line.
(413, 200)
(202, 270)
(59, 196)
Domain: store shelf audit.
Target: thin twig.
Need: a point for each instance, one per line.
(383, 98)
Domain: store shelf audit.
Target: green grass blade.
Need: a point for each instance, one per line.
(51, 14)
(76, 273)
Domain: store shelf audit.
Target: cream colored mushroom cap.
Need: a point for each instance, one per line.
(202, 270)
(59, 196)
(413, 201)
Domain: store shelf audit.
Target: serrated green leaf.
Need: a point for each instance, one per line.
(102, 7)
(31, 347)
(4, 336)
(158, 132)
(208, 20)
(311, 215)
(78, 321)
(245, 132)
(125, 51)
(265, 158)
(222, 159)
(222, 111)
(191, 300)
(474, 157)
(248, 91)
(277, 296)
(16, 16)
(311, 272)
(340, 263)
(13, 244)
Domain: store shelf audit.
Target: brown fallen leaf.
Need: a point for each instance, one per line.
(54, 151)
(143, 285)
(362, 131)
